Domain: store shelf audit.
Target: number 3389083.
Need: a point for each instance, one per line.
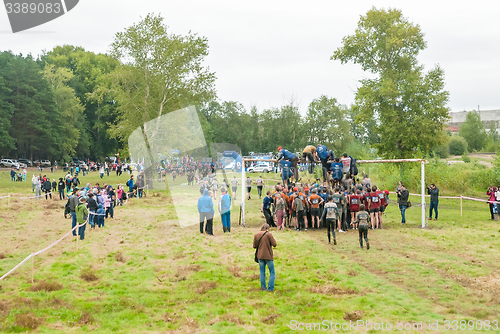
(25, 8)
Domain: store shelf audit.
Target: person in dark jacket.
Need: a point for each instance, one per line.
(434, 192)
(47, 188)
(60, 187)
(403, 195)
(92, 205)
(54, 186)
(206, 210)
(76, 181)
(264, 242)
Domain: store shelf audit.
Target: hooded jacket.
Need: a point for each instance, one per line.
(205, 203)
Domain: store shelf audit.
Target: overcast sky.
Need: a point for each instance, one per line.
(266, 53)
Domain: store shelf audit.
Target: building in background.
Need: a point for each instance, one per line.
(490, 118)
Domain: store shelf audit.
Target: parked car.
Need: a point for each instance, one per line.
(9, 163)
(20, 164)
(27, 162)
(261, 168)
(45, 163)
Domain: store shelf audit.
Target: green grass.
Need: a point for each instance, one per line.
(174, 279)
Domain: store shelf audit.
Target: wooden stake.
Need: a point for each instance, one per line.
(77, 236)
(32, 268)
(460, 205)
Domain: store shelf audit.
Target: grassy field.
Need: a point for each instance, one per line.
(143, 273)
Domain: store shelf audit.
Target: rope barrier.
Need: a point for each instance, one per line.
(77, 226)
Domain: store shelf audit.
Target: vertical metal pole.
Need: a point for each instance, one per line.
(422, 164)
(243, 176)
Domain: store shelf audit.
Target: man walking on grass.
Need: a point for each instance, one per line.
(264, 242)
(363, 220)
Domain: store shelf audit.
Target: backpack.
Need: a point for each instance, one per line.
(354, 168)
(68, 181)
(75, 181)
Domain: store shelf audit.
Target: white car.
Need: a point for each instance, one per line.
(9, 163)
(259, 169)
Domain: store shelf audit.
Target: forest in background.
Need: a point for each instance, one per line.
(70, 102)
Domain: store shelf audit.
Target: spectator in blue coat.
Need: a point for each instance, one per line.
(225, 210)
(206, 211)
(130, 183)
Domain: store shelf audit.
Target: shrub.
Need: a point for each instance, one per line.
(466, 158)
(457, 145)
(442, 151)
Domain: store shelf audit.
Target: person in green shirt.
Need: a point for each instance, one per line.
(81, 216)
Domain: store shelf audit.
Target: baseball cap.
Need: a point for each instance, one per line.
(295, 189)
(279, 148)
(386, 192)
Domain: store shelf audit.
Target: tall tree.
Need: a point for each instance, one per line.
(409, 106)
(327, 123)
(91, 82)
(472, 130)
(162, 72)
(70, 111)
(7, 143)
(34, 122)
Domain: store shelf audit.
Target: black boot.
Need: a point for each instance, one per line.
(229, 229)
(224, 228)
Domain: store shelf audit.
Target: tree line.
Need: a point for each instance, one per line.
(73, 102)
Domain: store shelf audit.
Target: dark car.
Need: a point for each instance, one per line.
(27, 162)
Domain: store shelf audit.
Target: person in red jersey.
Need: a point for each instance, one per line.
(374, 205)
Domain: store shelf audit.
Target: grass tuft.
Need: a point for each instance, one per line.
(27, 320)
(204, 287)
(119, 257)
(46, 286)
(86, 318)
(270, 319)
(354, 316)
(332, 290)
(88, 274)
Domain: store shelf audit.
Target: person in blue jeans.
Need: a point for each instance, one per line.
(264, 242)
(434, 192)
(13, 175)
(225, 210)
(403, 195)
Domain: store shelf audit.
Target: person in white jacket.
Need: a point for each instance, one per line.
(38, 188)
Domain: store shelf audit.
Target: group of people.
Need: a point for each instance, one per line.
(21, 176)
(207, 212)
(334, 168)
(93, 202)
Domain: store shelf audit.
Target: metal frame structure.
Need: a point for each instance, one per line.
(422, 179)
